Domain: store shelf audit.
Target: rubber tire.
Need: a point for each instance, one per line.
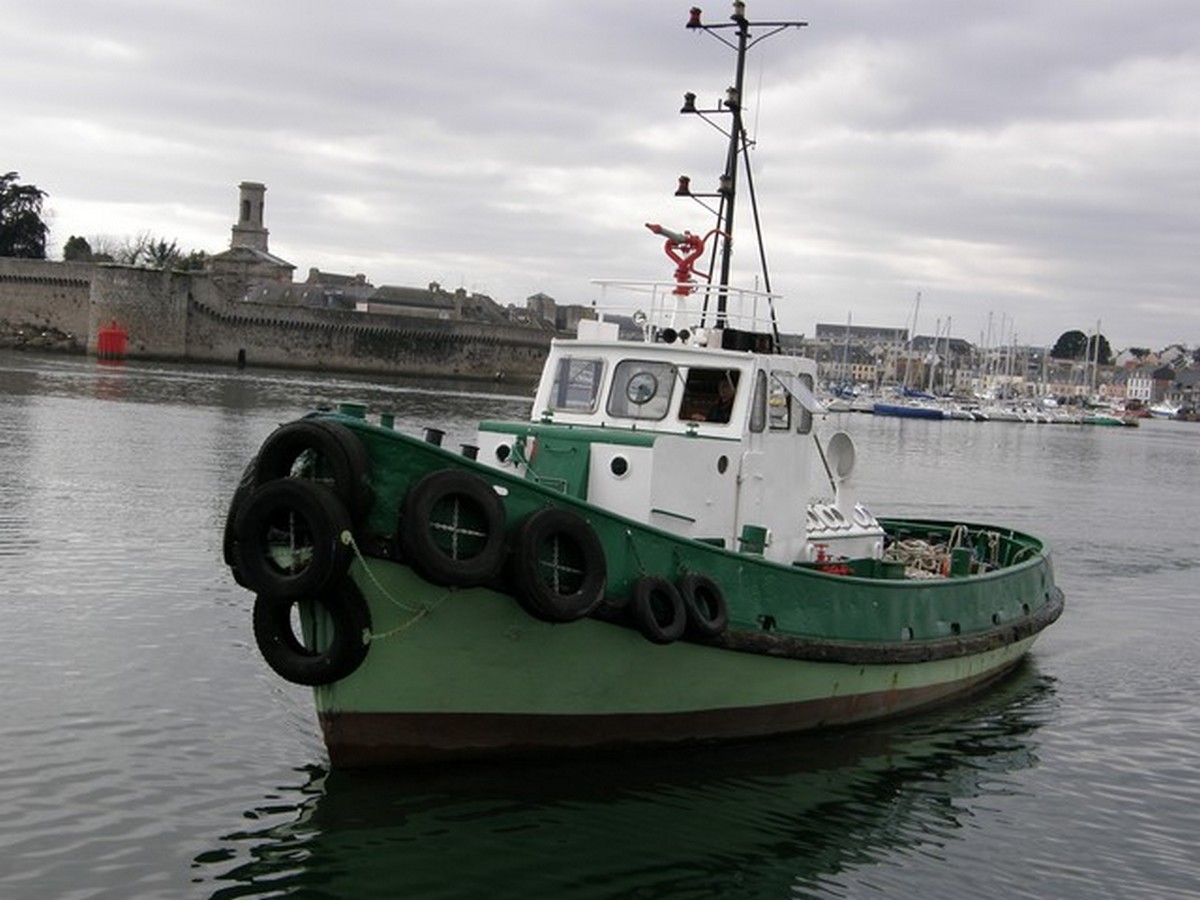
(704, 604)
(340, 450)
(322, 518)
(419, 528)
(657, 610)
(228, 541)
(291, 660)
(536, 580)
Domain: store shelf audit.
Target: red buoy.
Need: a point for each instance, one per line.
(111, 342)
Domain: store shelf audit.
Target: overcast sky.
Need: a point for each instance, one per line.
(1031, 164)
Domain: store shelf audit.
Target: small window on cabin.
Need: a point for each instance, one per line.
(641, 390)
(807, 403)
(708, 395)
(245, 210)
(576, 385)
(779, 401)
(758, 408)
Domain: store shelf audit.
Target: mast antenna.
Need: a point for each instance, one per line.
(737, 155)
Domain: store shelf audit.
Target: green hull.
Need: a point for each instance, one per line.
(477, 676)
(409, 666)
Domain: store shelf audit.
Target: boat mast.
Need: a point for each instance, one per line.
(739, 142)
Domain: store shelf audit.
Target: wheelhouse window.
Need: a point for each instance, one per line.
(641, 390)
(577, 384)
(787, 399)
(758, 408)
(808, 403)
(708, 395)
(779, 401)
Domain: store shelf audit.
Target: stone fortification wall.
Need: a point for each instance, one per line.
(49, 295)
(190, 316)
(150, 304)
(298, 337)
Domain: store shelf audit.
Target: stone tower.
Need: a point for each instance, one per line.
(249, 231)
(248, 261)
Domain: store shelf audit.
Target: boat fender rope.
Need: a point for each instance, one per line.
(634, 550)
(417, 612)
(993, 543)
(959, 534)
(347, 538)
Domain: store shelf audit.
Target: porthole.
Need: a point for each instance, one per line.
(502, 453)
(619, 466)
(722, 464)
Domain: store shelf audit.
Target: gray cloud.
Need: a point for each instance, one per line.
(1028, 160)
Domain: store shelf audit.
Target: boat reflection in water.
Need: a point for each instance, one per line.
(791, 816)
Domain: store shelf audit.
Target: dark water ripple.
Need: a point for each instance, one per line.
(784, 818)
(150, 753)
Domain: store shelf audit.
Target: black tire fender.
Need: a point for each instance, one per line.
(323, 451)
(345, 635)
(228, 539)
(452, 529)
(657, 609)
(704, 604)
(288, 539)
(558, 571)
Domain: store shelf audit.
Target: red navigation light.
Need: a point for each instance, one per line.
(694, 18)
(685, 187)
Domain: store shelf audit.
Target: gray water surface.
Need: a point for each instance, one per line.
(149, 752)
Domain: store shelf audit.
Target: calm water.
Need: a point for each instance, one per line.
(148, 752)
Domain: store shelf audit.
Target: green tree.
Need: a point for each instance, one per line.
(1070, 345)
(1104, 355)
(77, 249)
(1077, 345)
(22, 231)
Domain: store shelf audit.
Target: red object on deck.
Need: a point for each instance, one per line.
(683, 249)
(111, 342)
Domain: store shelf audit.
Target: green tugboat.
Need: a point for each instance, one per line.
(664, 553)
